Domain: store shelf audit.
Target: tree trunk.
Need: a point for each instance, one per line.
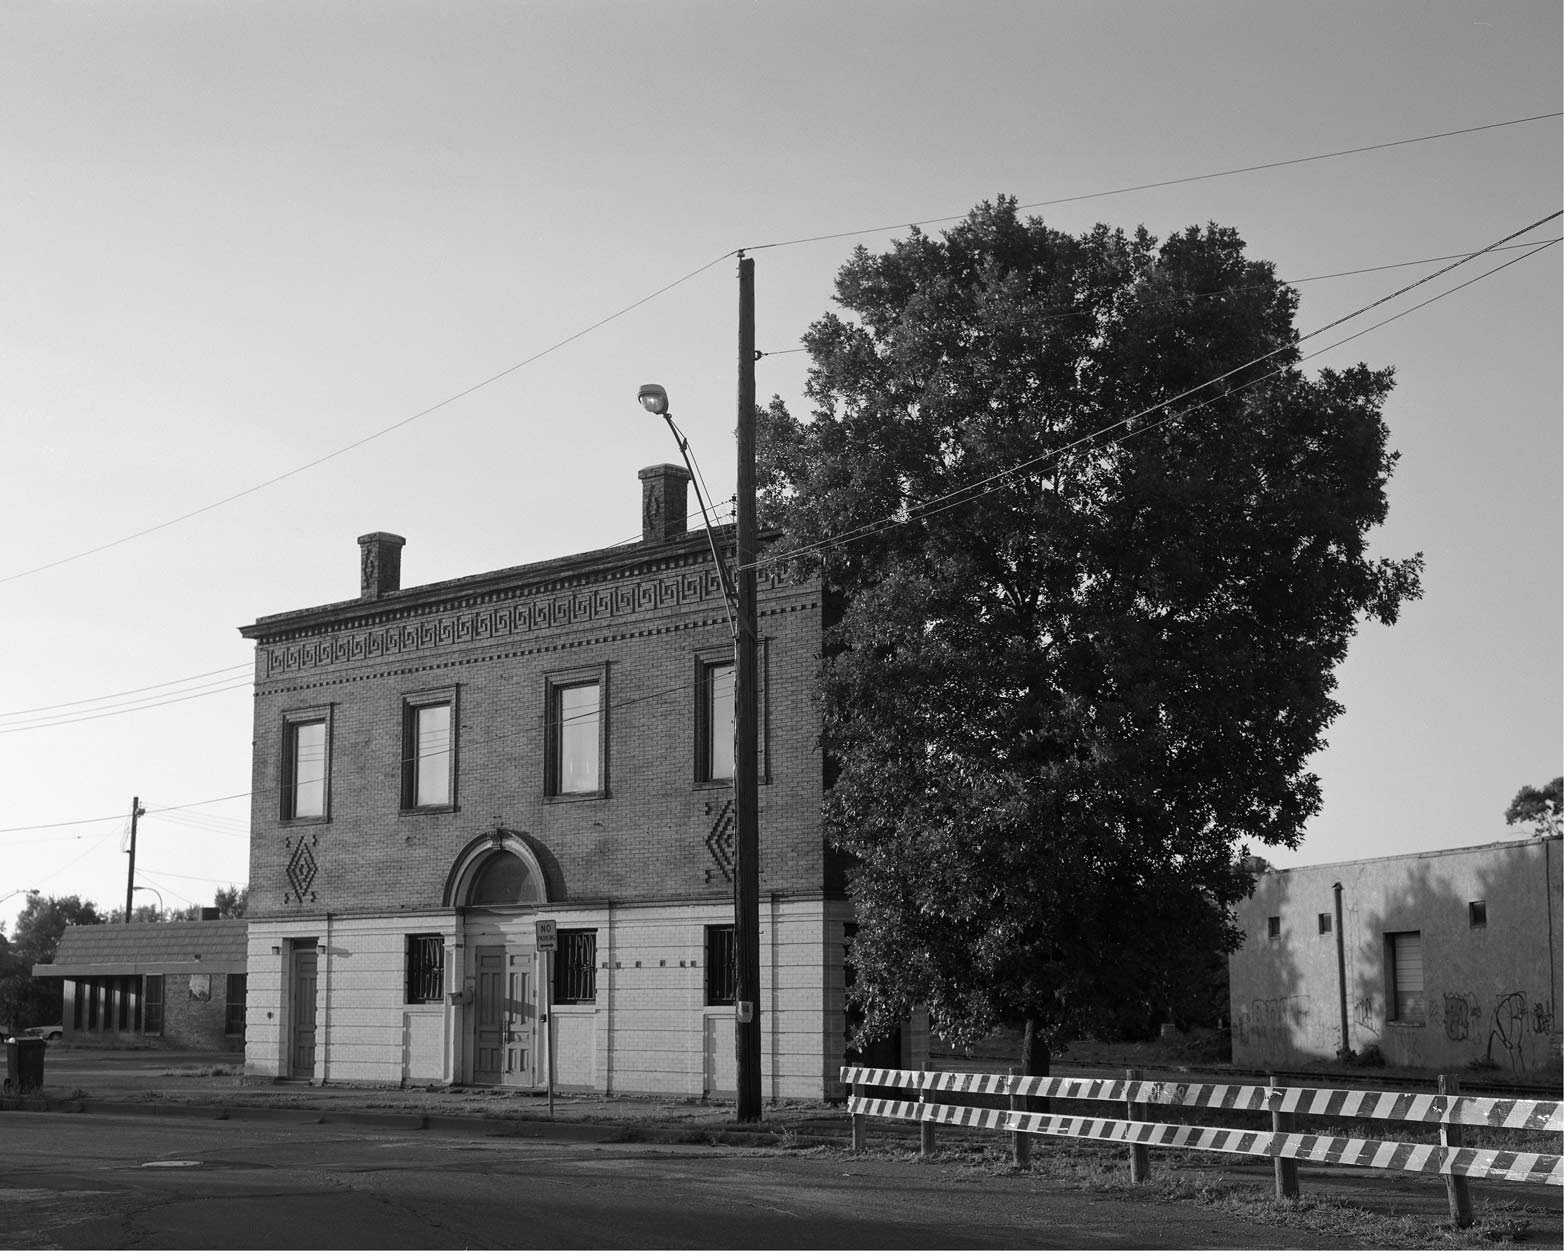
(1034, 1061)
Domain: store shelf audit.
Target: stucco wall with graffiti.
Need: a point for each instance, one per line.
(1485, 922)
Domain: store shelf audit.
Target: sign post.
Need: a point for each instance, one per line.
(547, 933)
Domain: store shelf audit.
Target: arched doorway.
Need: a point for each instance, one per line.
(497, 885)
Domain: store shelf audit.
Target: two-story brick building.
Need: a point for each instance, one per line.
(437, 768)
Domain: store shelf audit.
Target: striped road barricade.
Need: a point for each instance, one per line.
(935, 1099)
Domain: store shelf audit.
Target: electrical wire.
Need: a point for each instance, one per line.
(1167, 182)
(50, 723)
(451, 399)
(368, 438)
(69, 703)
(992, 482)
(1066, 314)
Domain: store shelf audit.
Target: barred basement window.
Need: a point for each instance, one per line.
(575, 967)
(152, 994)
(721, 973)
(233, 1025)
(425, 968)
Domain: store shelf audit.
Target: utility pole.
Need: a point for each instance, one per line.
(746, 726)
(136, 810)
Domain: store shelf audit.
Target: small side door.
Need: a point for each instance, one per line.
(301, 1010)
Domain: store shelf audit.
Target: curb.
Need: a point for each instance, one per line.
(624, 1130)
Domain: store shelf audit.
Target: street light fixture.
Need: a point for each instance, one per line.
(654, 399)
(26, 890)
(154, 890)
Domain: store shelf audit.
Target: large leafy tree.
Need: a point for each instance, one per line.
(1071, 674)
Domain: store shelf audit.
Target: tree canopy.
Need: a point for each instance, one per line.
(1542, 808)
(1082, 646)
(24, 999)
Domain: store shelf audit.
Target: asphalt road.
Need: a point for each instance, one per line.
(113, 1181)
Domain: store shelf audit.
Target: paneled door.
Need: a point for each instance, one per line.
(301, 1010)
(504, 1049)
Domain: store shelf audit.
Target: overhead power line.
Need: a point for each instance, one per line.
(628, 308)
(1166, 182)
(45, 723)
(992, 482)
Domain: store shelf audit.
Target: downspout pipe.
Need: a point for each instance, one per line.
(1345, 1049)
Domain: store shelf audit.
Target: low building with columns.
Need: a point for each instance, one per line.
(440, 768)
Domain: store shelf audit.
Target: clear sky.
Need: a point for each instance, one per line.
(239, 237)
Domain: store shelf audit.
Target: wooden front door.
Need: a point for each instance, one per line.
(504, 1049)
(301, 1011)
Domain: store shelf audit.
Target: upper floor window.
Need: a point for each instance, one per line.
(306, 740)
(576, 746)
(1477, 914)
(429, 750)
(714, 722)
(1273, 928)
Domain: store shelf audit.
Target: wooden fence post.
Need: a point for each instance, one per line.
(925, 1128)
(1456, 1188)
(860, 1121)
(1140, 1153)
(1281, 1123)
(1020, 1140)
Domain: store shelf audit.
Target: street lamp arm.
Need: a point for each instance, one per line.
(729, 595)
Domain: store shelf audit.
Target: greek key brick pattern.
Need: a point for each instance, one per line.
(654, 834)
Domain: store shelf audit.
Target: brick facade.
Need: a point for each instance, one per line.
(642, 621)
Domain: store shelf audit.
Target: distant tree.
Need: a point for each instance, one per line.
(24, 999)
(1069, 675)
(144, 914)
(232, 901)
(1542, 808)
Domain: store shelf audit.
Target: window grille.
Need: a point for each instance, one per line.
(721, 973)
(575, 967)
(425, 968)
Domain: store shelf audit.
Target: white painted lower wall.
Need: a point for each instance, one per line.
(649, 1030)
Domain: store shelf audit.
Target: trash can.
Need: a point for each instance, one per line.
(24, 1065)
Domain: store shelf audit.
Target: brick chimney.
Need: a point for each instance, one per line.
(664, 498)
(380, 564)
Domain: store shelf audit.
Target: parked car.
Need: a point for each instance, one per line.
(49, 1033)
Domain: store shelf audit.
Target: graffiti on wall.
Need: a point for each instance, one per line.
(1365, 1015)
(1463, 1015)
(1510, 1019)
(1271, 1020)
(1504, 1031)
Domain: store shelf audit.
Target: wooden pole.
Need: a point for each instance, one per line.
(1457, 1189)
(860, 1121)
(1281, 1123)
(925, 1128)
(136, 810)
(746, 732)
(1140, 1153)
